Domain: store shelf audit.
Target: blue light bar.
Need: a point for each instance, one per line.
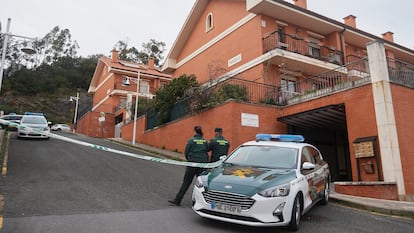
(280, 137)
(34, 113)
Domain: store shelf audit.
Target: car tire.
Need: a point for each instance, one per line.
(296, 214)
(325, 194)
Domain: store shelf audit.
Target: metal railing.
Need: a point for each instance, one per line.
(349, 76)
(297, 44)
(254, 92)
(401, 72)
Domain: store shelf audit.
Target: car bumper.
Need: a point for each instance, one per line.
(32, 134)
(261, 213)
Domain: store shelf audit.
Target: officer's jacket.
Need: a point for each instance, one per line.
(196, 149)
(219, 146)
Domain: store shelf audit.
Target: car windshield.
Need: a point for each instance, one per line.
(265, 156)
(33, 120)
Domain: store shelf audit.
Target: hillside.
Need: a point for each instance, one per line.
(56, 107)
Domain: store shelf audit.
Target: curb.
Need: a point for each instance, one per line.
(360, 204)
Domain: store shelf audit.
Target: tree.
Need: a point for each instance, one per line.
(152, 49)
(177, 90)
(125, 53)
(55, 44)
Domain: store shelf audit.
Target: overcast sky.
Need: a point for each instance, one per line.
(98, 24)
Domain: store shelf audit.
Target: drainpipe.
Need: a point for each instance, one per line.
(341, 34)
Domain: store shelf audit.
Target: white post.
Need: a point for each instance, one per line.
(385, 116)
(3, 55)
(76, 110)
(134, 134)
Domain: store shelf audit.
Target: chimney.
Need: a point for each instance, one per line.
(114, 56)
(301, 3)
(350, 20)
(151, 63)
(388, 36)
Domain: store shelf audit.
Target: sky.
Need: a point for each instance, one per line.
(98, 24)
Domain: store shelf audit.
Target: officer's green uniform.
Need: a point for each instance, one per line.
(218, 146)
(195, 151)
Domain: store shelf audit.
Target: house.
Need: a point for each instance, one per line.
(114, 89)
(347, 91)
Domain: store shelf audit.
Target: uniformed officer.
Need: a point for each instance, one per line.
(218, 146)
(195, 151)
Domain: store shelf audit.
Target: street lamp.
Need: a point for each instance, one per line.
(71, 99)
(27, 50)
(127, 83)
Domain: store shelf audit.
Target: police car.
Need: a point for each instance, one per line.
(272, 181)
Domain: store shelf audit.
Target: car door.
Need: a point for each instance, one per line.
(319, 178)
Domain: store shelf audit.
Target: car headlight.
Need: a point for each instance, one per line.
(46, 129)
(199, 182)
(278, 191)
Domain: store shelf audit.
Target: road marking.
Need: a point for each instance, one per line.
(6, 156)
(1, 211)
(98, 147)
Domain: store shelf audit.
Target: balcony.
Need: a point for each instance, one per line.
(298, 45)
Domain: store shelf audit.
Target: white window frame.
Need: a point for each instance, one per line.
(209, 22)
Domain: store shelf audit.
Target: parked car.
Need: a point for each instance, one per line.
(33, 126)
(12, 118)
(60, 127)
(272, 181)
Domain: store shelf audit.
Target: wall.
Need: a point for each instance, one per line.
(213, 62)
(89, 125)
(380, 190)
(226, 116)
(404, 111)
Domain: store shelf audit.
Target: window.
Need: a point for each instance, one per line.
(281, 34)
(209, 22)
(163, 85)
(144, 87)
(314, 49)
(288, 86)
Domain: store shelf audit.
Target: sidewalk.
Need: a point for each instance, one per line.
(398, 208)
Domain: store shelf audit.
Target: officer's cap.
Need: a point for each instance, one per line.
(218, 130)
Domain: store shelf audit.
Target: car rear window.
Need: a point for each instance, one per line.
(33, 120)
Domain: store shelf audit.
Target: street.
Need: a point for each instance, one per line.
(56, 186)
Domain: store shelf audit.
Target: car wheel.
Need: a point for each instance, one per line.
(296, 214)
(58, 129)
(325, 194)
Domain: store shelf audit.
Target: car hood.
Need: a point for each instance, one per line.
(245, 180)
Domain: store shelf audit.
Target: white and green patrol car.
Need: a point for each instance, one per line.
(272, 181)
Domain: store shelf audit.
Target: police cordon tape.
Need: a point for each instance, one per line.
(103, 148)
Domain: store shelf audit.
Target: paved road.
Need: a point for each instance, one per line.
(55, 186)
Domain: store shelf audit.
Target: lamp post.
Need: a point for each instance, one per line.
(71, 98)
(7, 35)
(137, 81)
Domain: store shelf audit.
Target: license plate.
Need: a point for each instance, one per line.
(225, 207)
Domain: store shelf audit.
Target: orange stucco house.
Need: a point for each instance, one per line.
(347, 91)
(113, 100)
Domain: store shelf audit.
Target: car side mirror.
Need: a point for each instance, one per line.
(308, 166)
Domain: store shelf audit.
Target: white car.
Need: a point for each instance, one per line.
(272, 181)
(60, 127)
(33, 126)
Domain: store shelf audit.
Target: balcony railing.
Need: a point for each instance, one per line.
(297, 44)
(352, 75)
(400, 72)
